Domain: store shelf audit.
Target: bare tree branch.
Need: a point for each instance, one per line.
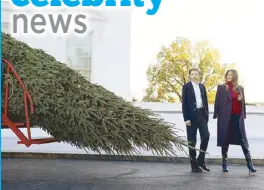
(174, 89)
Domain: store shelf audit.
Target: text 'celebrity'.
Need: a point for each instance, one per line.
(87, 3)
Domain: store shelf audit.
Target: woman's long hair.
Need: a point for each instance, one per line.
(234, 79)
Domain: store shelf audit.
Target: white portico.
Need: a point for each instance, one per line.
(103, 55)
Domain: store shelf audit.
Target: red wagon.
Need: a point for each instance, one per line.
(28, 104)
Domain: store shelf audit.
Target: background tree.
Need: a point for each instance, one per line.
(167, 77)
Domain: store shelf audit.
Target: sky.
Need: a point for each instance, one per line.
(234, 27)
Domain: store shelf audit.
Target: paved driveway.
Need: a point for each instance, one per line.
(29, 174)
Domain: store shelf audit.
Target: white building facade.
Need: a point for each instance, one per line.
(102, 55)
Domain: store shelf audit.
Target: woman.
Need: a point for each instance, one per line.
(230, 111)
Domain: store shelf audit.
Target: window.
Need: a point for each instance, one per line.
(84, 59)
(79, 54)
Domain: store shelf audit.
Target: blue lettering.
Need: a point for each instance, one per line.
(55, 3)
(39, 3)
(110, 3)
(93, 3)
(20, 3)
(154, 10)
(139, 3)
(71, 3)
(85, 3)
(125, 3)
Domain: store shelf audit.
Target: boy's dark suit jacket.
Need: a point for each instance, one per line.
(189, 101)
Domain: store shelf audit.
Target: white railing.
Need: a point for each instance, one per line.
(170, 112)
